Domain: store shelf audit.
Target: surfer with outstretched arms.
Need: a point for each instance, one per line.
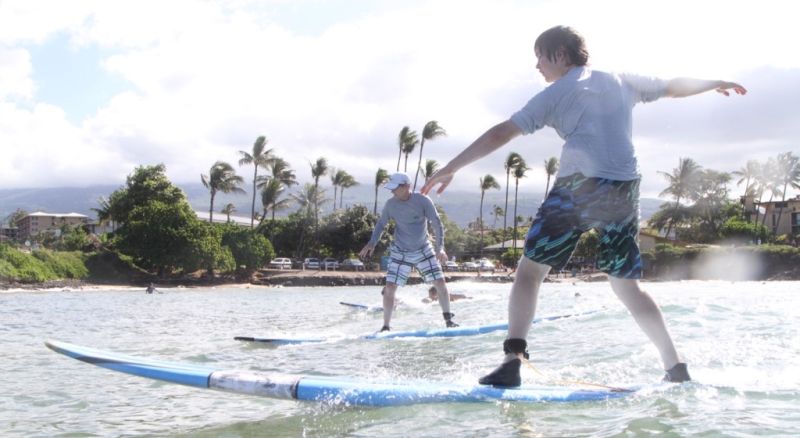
(597, 186)
(410, 248)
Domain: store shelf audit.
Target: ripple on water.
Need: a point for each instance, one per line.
(741, 341)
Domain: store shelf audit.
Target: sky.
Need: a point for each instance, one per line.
(91, 89)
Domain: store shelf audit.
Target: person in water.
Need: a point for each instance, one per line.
(597, 186)
(410, 248)
(433, 295)
(150, 289)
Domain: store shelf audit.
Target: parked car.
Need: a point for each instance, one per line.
(450, 266)
(352, 265)
(330, 263)
(485, 265)
(311, 263)
(469, 266)
(280, 263)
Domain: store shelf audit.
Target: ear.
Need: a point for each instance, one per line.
(561, 55)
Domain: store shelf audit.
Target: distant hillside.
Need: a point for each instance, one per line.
(460, 207)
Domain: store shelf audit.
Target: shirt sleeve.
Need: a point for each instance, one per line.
(645, 88)
(534, 115)
(382, 221)
(436, 222)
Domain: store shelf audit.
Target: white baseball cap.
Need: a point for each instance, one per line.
(396, 180)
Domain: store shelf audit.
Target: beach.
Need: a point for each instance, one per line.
(291, 277)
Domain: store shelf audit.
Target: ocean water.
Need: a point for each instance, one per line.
(742, 341)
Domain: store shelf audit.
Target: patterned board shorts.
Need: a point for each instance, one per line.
(577, 204)
(401, 262)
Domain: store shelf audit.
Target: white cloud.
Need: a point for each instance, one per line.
(15, 71)
(208, 77)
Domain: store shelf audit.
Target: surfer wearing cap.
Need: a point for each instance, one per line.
(597, 186)
(410, 247)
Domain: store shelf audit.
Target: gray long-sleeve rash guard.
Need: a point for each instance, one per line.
(411, 219)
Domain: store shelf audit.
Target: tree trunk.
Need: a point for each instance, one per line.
(419, 163)
(253, 205)
(211, 209)
(375, 208)
(672, 219)
(505, 211)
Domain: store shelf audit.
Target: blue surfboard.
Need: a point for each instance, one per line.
(425, 333)
(364, 307)
(349, 392)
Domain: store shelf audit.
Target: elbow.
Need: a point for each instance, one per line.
(502, 133)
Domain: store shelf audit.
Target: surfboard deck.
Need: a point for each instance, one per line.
(424, 333)
(326, 389)
(364, 307)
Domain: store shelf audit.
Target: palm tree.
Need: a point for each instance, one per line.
(519, 173)
(221, 178)
(258, 158)
(681, 184)
(270, 198)
(551, 168)
(431, 131)
(381, 176)
(431, 166)
(103, 213)
(512, 161)
(282, 172)
(402, 140)
(336, 181)
(309, 199)
(347, 182)
(407, 140)
(318, 169)
(227, 210)
(768, 182)
(746, 174)
(487, 182)
(788, 175)
(497, 211)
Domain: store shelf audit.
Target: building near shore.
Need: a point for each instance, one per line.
(33, 224)
(780, 217)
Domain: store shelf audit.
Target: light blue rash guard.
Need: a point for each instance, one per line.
(411, 223)
(592, 111)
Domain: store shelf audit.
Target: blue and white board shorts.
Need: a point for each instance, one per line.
(401, 262)
(577, 204)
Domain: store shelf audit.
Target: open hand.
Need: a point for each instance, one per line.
(443, 177)
(723, 89)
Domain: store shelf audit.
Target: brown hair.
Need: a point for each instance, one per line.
(563, 37)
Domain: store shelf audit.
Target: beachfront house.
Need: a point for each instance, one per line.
(780, 217)
(40, 222)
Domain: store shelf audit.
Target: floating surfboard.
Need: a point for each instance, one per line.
(426, 333)
(364, 307)
(333, 390)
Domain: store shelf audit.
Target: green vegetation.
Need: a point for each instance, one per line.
(666, 261)
(40, 265)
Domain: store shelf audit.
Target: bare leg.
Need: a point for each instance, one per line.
(648, 316)
(388, 302)
(444, 295)
(521, 309)
(523, 298)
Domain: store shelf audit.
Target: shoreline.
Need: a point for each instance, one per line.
(276, 278)
(308, 278)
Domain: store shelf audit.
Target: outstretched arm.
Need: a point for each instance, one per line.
(491, 140)
(683, 87)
